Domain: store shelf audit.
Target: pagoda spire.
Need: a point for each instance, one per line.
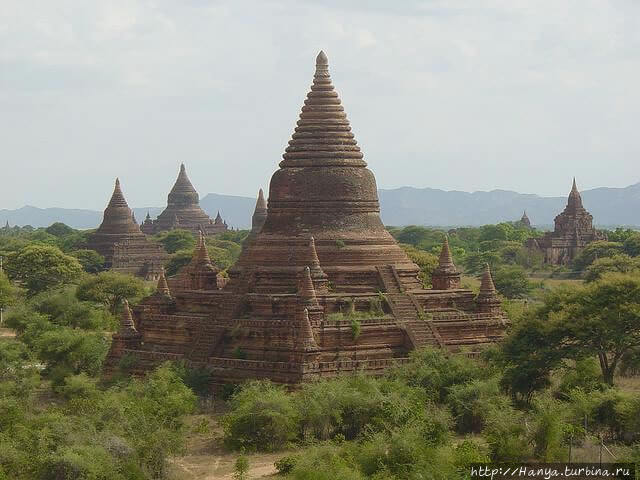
(487, 287)
(163, 287)
(201, 254)
(259, 214)
(183, 194)
(127, 326)
(306, 291)
(218, 220)
(306, 340)
(575, 200)
(445, 260)
(323, 136)
(117, 198)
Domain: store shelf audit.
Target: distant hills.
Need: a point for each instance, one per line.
(401, 206)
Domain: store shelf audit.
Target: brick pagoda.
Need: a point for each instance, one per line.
(183, 211)
(318, 262)
(573, 231)
(122, 244)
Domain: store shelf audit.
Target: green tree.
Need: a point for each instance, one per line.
(7, 291)
(177, 260)
(511, 281)
(91, 261)
(601, 318)
(619, 263)
(110, 289)
(59, 229)
(40, 267)
(631, 245)
(425, 260)
(595, 250)
(177, 239)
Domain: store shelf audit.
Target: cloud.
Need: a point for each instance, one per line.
(472, 94)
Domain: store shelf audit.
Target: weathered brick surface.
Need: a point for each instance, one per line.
(124, 247)
(317, 255)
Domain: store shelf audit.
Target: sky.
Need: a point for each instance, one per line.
(460, 95)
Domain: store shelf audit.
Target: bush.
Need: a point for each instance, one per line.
(511, 281)
(435, 372)
(473, 402)
(506, 436)
(262, 417)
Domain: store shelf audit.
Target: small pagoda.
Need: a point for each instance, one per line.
(183, 211)
(524, 220)
(318, 260)
(119, 240)
(573, 231)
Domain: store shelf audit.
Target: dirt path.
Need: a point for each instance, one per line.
(7, 333)
(206, 459)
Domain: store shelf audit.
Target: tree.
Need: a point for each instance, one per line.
(59, 229)
(601, 318)
(511, 281)
(178, 260)
(91, 261)
(177, 239)
(631, 245)
(594, 251)
(7, 291)
(425, 260)
(617, 264)
(40, 267)
(110, 289)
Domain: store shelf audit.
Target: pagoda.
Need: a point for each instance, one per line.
(524, 220)
(318, 260)
(119, 240)
(183, 211)
(572, 232)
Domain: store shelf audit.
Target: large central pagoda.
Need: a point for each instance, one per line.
(317, 263)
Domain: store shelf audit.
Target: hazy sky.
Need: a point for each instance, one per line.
(468, 95)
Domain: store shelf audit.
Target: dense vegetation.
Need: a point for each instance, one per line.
(566, 375)
(58, 418)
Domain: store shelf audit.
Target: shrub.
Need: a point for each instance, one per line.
(471, 403)
(435, 372)
(262, 417)
(506, 436)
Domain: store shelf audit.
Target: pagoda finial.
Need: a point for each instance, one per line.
(261, 203)
(126, 320)
(148, 217)
(487, 287)
(163, 287)
(323, 135)
(201, 254)
(306, 291)
(306, 338)
(322, 63)
(117, 198)
(445, 254)
(575, 200)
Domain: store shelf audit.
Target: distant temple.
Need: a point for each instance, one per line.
(183, 211)
(573, 231)
(122, 244)
(317, 262)
(524, 220)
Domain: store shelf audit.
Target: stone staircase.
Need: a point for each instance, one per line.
(408, 313)
(205, 343)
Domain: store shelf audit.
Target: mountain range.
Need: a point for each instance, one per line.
(401, 206)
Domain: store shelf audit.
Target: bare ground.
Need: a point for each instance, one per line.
(207, 459)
